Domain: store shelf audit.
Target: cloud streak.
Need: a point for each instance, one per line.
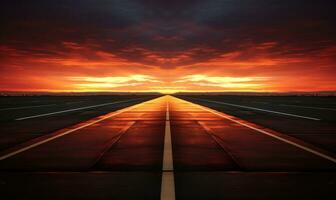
(44, 42)
(108, 83)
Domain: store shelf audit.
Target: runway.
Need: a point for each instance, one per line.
(166, 148)
(308, 118)
(23, 118)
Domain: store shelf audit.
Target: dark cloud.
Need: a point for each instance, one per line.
(169, 33)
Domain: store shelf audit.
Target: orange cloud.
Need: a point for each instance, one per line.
(84, 68)
(227, 83)
(108, 83)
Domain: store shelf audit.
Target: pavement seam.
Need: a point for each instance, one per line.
(265, 132)
(113, 141)
(220, 142)
(13, 151)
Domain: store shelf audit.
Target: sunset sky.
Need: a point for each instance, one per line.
(168, 46)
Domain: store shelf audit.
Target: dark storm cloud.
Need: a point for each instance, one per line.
(169, 33)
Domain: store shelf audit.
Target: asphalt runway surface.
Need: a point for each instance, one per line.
(167, 148)
(25, 118)
(313, 120)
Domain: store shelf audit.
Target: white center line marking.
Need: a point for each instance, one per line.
(65, 133)
(70, 110)
(167, 183)
(330, 158)
(259, 109)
